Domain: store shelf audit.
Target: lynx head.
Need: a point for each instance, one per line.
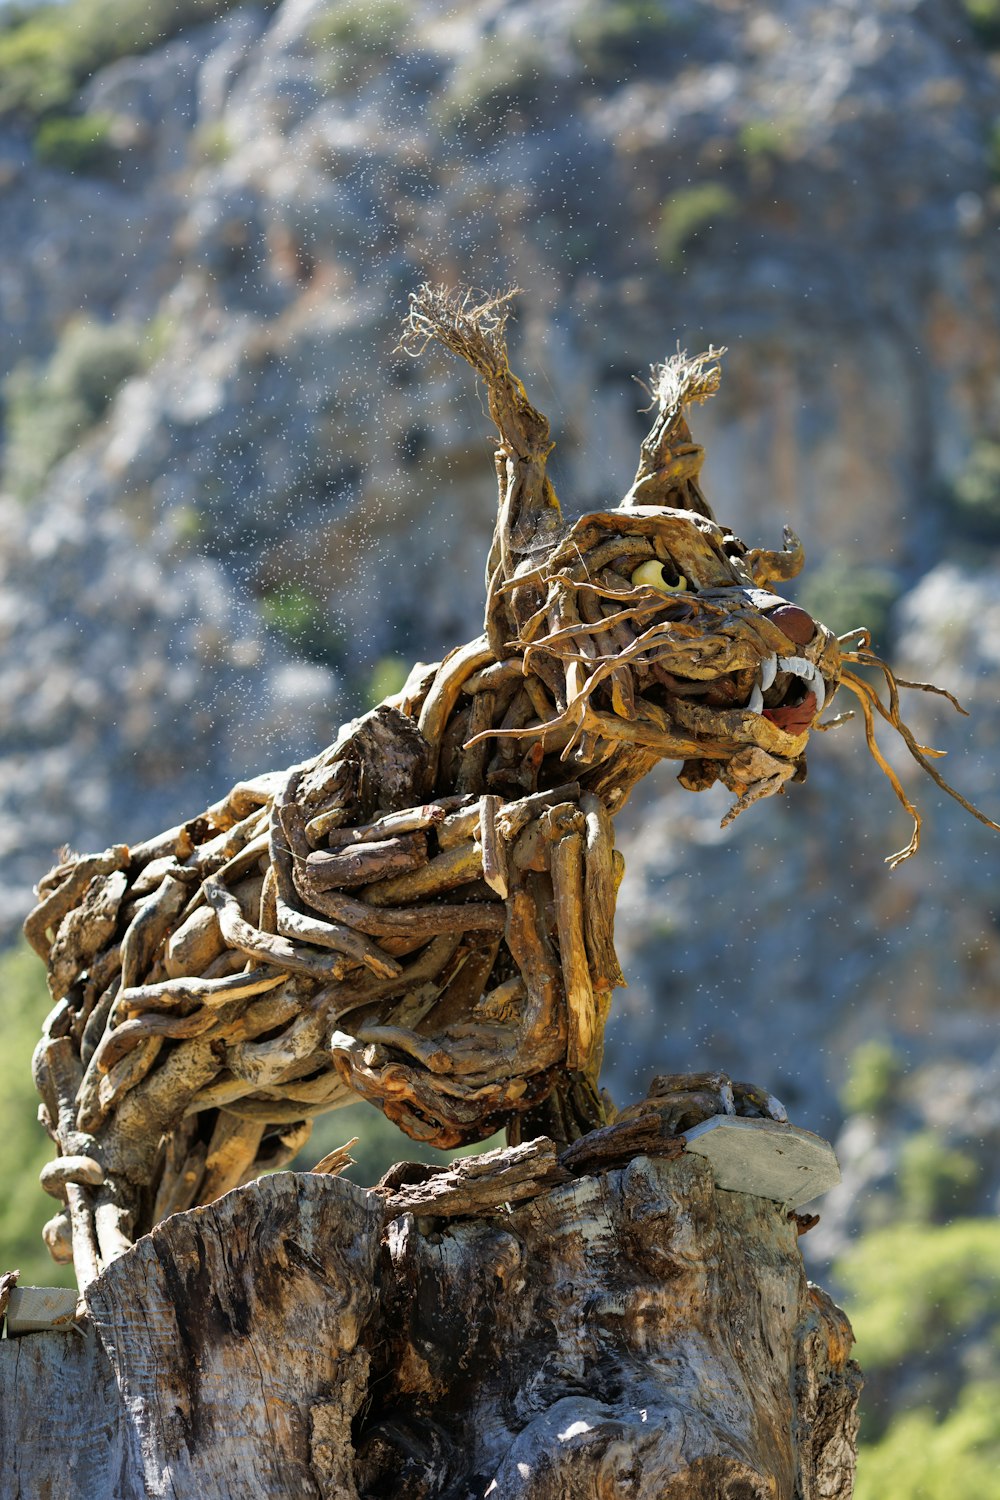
(648, 631)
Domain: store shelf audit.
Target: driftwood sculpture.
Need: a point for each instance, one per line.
(422, 914)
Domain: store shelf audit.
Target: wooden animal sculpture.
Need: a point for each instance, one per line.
(422, 914)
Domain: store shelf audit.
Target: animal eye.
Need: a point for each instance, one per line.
(650, 575)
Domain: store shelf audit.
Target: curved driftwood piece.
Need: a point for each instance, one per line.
(499, 1328)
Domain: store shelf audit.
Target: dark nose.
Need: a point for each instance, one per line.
(794, 622)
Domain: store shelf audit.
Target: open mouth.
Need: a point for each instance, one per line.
(789, 691)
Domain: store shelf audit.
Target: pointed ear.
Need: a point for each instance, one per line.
(769, 567)
(472, 326)
(529, 517)
(670, 460)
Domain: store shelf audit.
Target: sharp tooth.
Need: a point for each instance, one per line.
(756, 703)
(799, 665)
(819, 688)
(768, 671)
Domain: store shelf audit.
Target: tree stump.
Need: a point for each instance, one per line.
(522, 1324)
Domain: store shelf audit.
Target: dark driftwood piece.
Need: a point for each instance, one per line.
(427, 1339)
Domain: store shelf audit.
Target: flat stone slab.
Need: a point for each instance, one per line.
(765, 1158)
(32, 1309)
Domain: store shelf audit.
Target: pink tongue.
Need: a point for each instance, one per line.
(794, 720)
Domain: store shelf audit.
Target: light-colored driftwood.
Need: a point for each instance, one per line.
(533, 1332)
(463, 825)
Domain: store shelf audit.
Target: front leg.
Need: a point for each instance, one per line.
(514, 1039)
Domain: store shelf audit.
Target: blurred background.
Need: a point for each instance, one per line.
(232, 516)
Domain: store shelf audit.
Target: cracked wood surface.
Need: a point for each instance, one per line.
(502, 1327)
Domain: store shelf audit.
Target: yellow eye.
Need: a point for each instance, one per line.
(650, 575)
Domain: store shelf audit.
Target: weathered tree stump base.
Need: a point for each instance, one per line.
(501, 1328)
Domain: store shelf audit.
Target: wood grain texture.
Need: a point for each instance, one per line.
(229, 1324)
(632, 1333)
(63, 1423)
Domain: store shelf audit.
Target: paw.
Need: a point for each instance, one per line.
(684, 1100)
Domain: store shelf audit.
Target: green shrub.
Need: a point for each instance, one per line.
(975, 494)
(363, 27)
(934, 1178)
(303, 621)
(24, 1208)
(923, 1458)
(356, 37)
(53, 48)
(93, 360)
(504, 80)
(388, 676)
(873, 1071)
(844, 595)
(75, 143)
(291, 611)
(993, 151)
(687, 215)
(762, 140)
(41, 428)
(40, 67)
(611, 36)
(915, 1290)
(50, 408)
(211, 144)
(985, 18)
(189, 526)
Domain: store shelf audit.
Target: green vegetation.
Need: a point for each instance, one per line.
(923, 1458)
(762, 138)
(357, 36)
(75, 143)
(873, 1071)
(24, 1208)
(935, 1179)
(359, 26)
(985, 18)
(50, 408)
(47, 52)
(846, 595)
(502, 82)
(925, 1304)
(303, 621)
(916, 1290)
(612, 36)
(686, 217)
(211, 144)
(975, 494)
(189, 526)
(763, 143)
(388, 676)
